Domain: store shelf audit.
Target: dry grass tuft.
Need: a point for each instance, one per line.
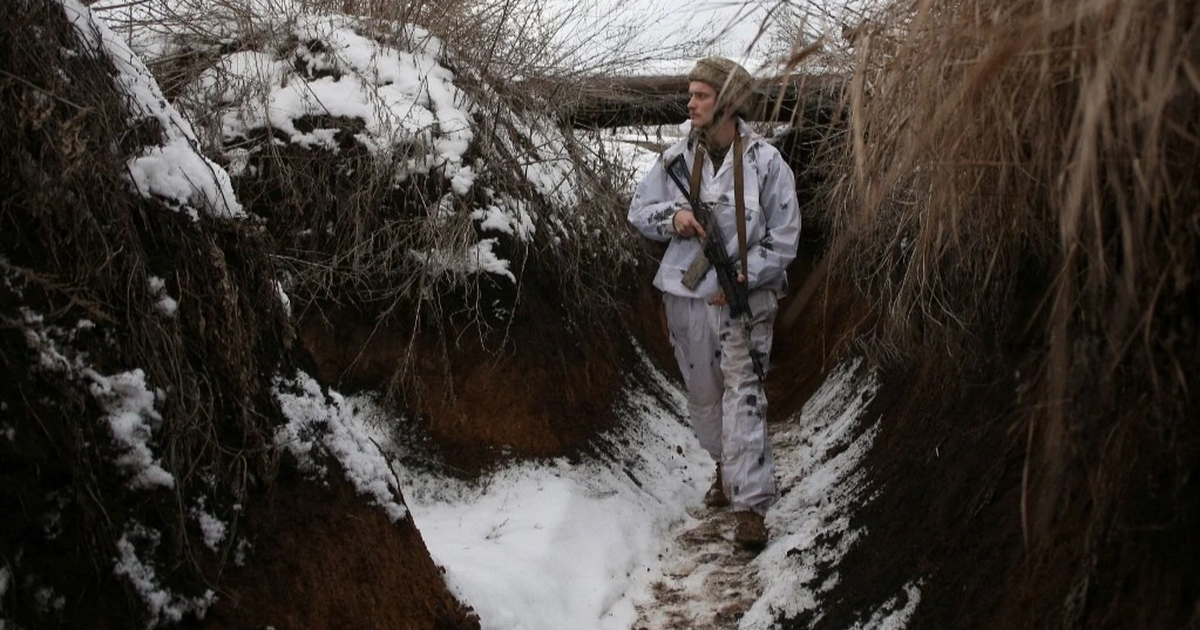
(1022, 174)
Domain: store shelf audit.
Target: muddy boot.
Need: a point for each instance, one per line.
(751, 531)
(715, 497)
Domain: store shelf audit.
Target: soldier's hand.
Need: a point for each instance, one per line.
(686, 225)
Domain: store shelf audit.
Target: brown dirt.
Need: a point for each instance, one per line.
(947, 468)
(325, 559)
(544, 390)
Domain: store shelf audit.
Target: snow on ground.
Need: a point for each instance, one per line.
(561, 545)
(622, 541)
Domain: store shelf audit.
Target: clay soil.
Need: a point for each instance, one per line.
(326, 559)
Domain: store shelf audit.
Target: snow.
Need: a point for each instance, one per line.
(174, 171)
(495, 219)
(163, 606)
(128, 402)
(823, 491)
(580, 545)
(132, 420)
(562, 545)
(479, 257)
(212, 528)
(402, 96)
(888, 617)
(319, 422)
(166, 304)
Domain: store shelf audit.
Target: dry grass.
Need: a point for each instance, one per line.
(77, 246)
(1022, 175)
(348, 235)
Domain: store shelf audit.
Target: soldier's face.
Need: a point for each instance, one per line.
(702, 103)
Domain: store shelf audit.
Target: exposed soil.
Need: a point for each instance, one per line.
(326, 559)
(946, 467)
(540, 388)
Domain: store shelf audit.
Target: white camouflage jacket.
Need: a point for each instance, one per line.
(772, 214)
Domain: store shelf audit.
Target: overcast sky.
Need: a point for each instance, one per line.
(728, 28)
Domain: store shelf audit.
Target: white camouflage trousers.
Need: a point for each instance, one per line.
(727, 406)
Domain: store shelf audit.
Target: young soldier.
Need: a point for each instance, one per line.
(717, 354)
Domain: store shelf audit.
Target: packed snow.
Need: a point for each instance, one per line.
(561, 545)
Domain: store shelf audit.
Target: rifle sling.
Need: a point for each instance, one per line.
(700, 266)
(739, 200)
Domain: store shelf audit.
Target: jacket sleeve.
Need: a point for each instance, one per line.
(769, 258)
(654, 205)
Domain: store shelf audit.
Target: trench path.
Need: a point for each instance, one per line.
(708, 582)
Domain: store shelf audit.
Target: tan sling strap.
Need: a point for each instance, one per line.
(739, 194)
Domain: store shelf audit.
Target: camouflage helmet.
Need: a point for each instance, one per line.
(735, 88)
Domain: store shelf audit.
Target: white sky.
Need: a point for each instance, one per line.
(727, 28)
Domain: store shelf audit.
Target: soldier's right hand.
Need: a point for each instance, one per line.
(686, 225)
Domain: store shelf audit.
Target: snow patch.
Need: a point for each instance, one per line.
(165, 303)
(129, 405)
(479, 257)
(174, 171)
(888, 617)
(811, 522)
(132, 419)
(558, 544)
(212, 528)
(327, 422)
(163, 606)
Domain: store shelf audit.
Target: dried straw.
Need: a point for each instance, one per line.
(1022, 174)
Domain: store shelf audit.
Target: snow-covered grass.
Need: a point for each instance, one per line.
(175, 170)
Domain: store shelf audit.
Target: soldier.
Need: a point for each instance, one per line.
(751, 193)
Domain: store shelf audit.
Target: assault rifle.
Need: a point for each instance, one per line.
(737, 295)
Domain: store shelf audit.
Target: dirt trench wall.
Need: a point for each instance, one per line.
(325, 559)
(79, 310)
(541, 388)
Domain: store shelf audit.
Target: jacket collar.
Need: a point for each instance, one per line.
(688, 144)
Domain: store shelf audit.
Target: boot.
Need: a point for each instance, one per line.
(715, 497)
(751, 531)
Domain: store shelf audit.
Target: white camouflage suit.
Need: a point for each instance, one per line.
(726, 402)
